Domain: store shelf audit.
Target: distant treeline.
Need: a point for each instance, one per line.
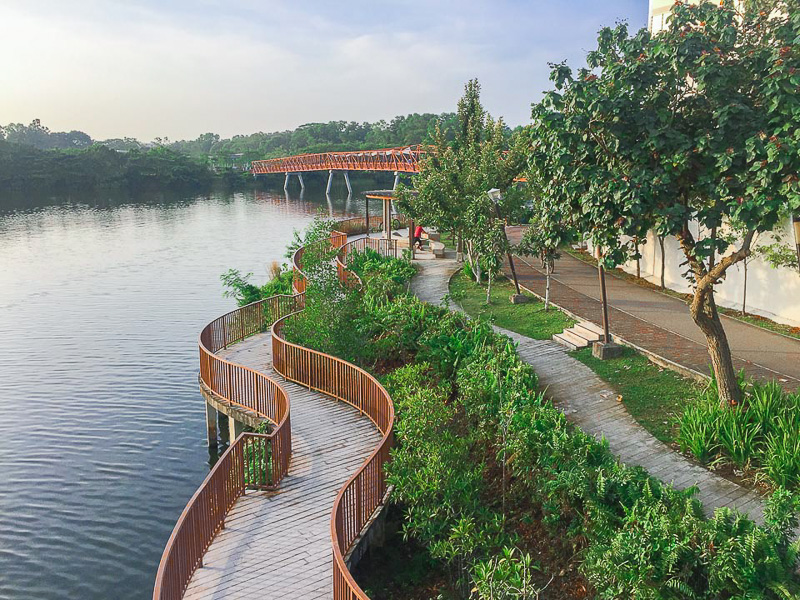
(319, 137)
(28, 168)
(34, 158)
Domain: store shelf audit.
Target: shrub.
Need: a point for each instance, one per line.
(466, 403)
(763, 433)
(239, 286)
(436, 479)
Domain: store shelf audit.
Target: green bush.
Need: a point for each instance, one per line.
(370, 263)
(479, 445)
(763, 433)
(436, 479)
(239, 286)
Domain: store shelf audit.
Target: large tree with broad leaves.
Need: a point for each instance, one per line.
(681, 132)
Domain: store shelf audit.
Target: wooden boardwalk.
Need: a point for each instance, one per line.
(590, 403)
(278, 544)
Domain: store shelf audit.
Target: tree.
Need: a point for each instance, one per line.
(456, 175)
(548, 230)
(678, 133)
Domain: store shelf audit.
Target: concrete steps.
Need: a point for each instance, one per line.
(580, 336)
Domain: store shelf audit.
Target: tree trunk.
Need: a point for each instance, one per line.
(744, 291)
(547, 285)
(704, 313)
(489, 289)
(661, 245)
(638, 260)
(473, 262)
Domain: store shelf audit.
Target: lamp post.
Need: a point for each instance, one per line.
(495, 196)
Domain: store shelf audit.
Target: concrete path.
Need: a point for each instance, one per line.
(591, 404)
(659, 323)
(278, 544)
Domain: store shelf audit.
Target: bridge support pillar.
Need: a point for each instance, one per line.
(299, 178)
(396, 180)
(347, 181)
(211, 425)
(330, 182)
(235, 428)
(387, 218)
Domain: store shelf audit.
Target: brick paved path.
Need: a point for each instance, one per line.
(659, 324)
(591, 404)
(278, 544)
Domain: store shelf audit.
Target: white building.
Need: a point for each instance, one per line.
(772, 293)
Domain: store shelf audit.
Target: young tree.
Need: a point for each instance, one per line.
(456, 175)
(550, 227)
(680, 132)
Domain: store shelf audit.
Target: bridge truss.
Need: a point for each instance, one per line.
(401, 160)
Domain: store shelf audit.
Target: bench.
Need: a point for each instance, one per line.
(437, 248)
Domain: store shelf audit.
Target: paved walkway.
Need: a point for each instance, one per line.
(591, 404)
(278, 544)
(659, 323)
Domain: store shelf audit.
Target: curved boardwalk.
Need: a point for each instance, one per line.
(591, 404)
(278, 544)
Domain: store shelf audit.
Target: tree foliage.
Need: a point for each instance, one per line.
(451, 188)
(25, 168)
(679, 132)
(39, 136)
(319, 137)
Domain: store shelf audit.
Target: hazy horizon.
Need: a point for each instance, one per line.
(146, 69)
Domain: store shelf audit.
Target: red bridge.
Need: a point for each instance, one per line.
(402, 160)
(397, 160)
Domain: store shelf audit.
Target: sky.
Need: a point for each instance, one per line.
(176, 69)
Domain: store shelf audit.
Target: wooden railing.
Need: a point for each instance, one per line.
(244, 464)
(382, 246)
(364, 491)
(358, 225)
(404, 159)
(261, 461)
(252, 461)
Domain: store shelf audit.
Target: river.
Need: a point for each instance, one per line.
(102, 438)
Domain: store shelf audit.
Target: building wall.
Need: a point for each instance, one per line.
(659, 10)
(772, 293)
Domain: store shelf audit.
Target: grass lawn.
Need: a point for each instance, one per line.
(528, 319)
(654, 396)
(446, 237)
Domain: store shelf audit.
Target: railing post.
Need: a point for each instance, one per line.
(359, 508)
(308, 371)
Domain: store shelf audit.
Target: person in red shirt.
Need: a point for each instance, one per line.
(418, 231)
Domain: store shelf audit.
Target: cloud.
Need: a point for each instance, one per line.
(148, 69)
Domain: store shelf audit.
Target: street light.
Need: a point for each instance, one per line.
(495, 196)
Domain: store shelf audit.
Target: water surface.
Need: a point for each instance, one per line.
(102, 439)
